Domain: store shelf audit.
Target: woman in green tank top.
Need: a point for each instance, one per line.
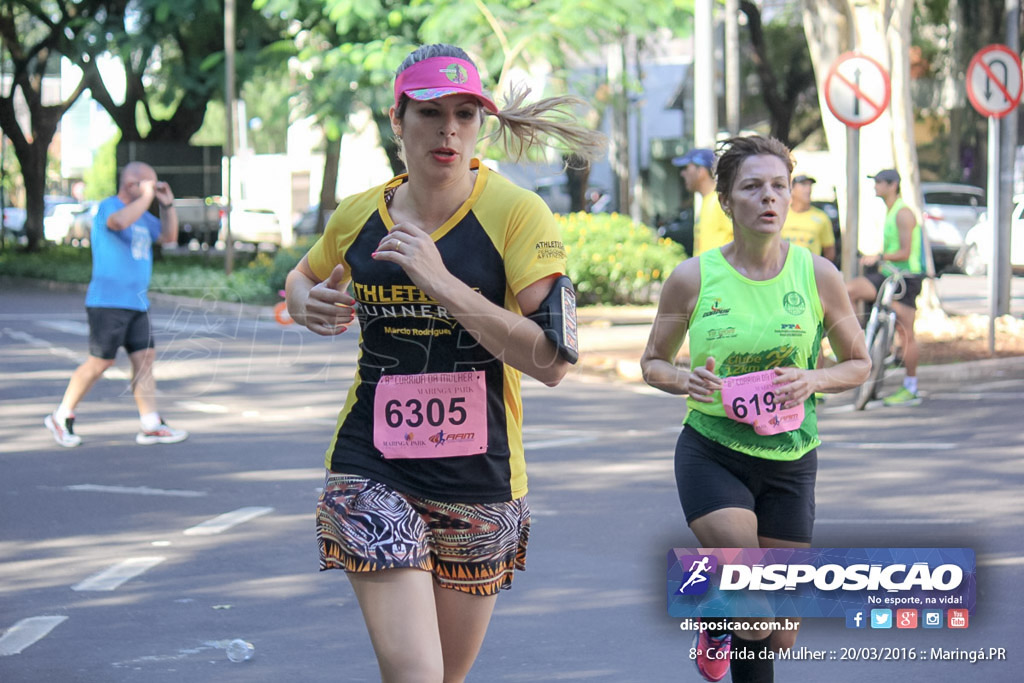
(756, 311)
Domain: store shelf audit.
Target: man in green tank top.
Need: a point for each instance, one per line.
(902, 247)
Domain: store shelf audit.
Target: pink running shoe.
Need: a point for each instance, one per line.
(712, 655)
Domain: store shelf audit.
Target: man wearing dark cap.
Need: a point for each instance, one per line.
(808, 225)
(712, 228)
(902, 247)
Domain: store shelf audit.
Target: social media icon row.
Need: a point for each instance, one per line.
(906, 618)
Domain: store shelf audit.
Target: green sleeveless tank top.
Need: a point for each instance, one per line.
(891, 241)
(749, 326)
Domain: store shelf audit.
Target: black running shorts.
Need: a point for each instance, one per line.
(908, 297)
(780, 493)
(112, 328)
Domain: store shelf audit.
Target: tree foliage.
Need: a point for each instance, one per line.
(171, 52)
(33, 38)
(172, 55)
(777, 53)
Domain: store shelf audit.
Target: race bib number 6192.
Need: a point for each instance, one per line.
(750, 399)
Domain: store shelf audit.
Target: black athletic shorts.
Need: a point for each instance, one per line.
(909, 295)
(780, 493)
(112, 328)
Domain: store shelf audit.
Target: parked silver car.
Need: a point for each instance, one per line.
(950, 211)
(14, 221)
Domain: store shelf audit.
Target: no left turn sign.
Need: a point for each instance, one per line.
(994, 81)
(857, 89)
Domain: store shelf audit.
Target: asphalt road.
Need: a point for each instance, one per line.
(147, 560)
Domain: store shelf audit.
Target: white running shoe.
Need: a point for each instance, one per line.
(162, 434)
(63, 434)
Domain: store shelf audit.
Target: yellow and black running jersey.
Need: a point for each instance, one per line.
(500, 241)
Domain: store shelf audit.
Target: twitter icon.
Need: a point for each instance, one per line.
(881, 618)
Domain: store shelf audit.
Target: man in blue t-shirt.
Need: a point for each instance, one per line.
(122, 239)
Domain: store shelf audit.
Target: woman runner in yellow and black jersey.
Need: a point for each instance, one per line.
(756, 310)
(456, 276)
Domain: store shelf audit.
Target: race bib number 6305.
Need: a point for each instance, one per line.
(433, 415)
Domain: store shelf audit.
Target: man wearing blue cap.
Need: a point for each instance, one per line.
(712, 228)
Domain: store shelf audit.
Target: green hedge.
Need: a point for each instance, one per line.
(613, 260)
(256, 279)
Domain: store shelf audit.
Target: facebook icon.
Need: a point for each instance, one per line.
(855, 618)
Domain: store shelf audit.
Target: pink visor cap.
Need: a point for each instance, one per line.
(438, 77)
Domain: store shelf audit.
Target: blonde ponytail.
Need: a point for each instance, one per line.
(522, 126)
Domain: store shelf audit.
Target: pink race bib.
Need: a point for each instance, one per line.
(434, 415)
(750, 399)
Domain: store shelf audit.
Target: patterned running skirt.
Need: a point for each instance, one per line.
(365, 526)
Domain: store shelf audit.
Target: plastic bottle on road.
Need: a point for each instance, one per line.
(240, 650)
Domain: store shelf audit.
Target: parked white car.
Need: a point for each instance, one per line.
(976, 255)
(254, 226)
(58, 218)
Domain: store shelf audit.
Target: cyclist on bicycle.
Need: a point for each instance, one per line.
(902, 248)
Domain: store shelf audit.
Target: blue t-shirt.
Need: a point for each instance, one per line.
(122, 260)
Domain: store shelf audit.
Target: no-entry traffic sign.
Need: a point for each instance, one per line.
(994, 81)
(857, 89)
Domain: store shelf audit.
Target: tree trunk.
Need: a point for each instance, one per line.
(619, 143)
(836, 26)
(32, 157)
(328, 192)
(33, 174)
(577, 177)
(902, 106)
(387, 141)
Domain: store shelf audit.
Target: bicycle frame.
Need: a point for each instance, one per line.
(879, 334)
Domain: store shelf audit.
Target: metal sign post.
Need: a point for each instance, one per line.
(856, 92)
(994, 85)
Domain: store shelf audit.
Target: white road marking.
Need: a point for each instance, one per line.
(42, 343)
(67, 326)
(112, 373)
(976, 396)
(987, 561)
(111, 578)
(200, 407)
(645, 390)
(895, 446)
(845, 408)
(226, 521)
(26, 632)
(136, 490)
(894, 520)
(553, 443)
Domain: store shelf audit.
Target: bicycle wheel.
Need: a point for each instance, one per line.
(877, 350)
